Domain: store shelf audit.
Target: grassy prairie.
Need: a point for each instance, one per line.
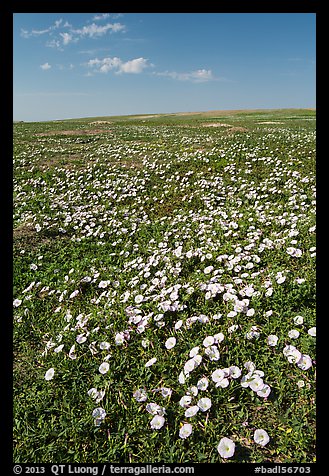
(164, 288)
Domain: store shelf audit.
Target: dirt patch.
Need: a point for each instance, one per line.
(269, 122)
(25, 230)
(100, 122)
(75, 132)
(215, 124)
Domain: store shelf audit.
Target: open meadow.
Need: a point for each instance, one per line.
(165, 289)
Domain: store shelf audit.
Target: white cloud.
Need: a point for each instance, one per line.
(45, 66)
(67, 38)
(198, 76)
(102, 16)
(134, 66)
(94, 30)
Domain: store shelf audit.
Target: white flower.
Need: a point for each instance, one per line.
(150, 362)
(189, 366)
(49, 374)
(293, 355)
(72, 353)
(265, 391)
(170, 343)
(300, 384)
(99, 414)
(208, 269)
(181, 378)
(293, 334)
(75, 293)
(256, 383)
(194, 351)
(185, 401)
(191, 411)
(235, 372)
(217, 375)
(153, 408)
(219, 338)
(212, 352)
(157, 422)
(81, 338)
(312, 331)
(104, 345)
(272, 340)
(104, 368)
(166, 392)
(261, 437)
(226, 448)
(59, 348)
(17, 302)
(298, 320)
(209, 340)
(204, 404)
(281, 279)
(185, 431)
(305, 362)
(139, 298)
(119, 338)
(202, 383)
(140, 395)
(178, 324)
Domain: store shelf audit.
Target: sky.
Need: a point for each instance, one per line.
(104, 64)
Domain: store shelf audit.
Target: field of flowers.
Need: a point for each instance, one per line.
(164, 289)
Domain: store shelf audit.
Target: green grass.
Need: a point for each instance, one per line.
(142, 206)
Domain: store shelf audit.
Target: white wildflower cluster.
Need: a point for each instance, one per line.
(184, 253)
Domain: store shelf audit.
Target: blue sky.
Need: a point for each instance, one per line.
(103, 64)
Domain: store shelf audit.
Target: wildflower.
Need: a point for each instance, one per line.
(194, 351)
(235, 372)
(305, 362)
(217, 375)
(208, 269)
(191, 411)
(185, 401)
(226, 448)
(312, 331)
(293, 355)
(166, 392)
(75, 293)
(119, 338)
(150, 362)
(157, 422)
(293, 334)
(139, 298)
(49, 374)
(261, 437)
(272, 340)
(212, 352)
(298, 320)
(98, 414)
(17, 302)
(185, 431)
(170, 343)
(104, 368)
(59, 348)
(300, 384)
(189, 366)
(155, 409)
(204, 404)
(140, 395)
(208, 341)
(264, 392)
(72, 353)
(219, 338)
(202, 383)
(178, 324)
